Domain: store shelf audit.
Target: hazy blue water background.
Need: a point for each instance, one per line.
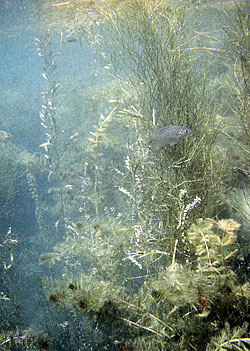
(20, 102)
(21, 71)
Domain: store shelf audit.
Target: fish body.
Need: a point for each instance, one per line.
(169, 135)
(80, 182)
(4, 136)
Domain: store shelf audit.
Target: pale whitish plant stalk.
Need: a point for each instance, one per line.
(232, 341)
(7, 246)
(48, 114)
(184, 209)
(95, 141)
(31, 180)
(53, 152)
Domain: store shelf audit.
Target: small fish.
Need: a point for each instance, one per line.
(71, 40)
(79, 181)
(169, 135)
(4, 136)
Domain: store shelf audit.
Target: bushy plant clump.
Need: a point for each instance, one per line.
(140, 252)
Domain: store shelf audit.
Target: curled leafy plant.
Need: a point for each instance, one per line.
(213, 242)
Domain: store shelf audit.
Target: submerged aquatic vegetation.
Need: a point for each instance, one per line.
(212, 248)
(230, 339)
(238, 32)
(137, 252)
(171, 303)
(25, 340)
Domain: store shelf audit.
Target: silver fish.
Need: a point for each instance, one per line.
(169, 135)
(79, 181)
(4, 136)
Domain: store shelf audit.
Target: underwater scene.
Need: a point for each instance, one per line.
(125, 175)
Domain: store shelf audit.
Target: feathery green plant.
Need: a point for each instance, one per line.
(230, 339)
(213, 242)
(238, 41)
